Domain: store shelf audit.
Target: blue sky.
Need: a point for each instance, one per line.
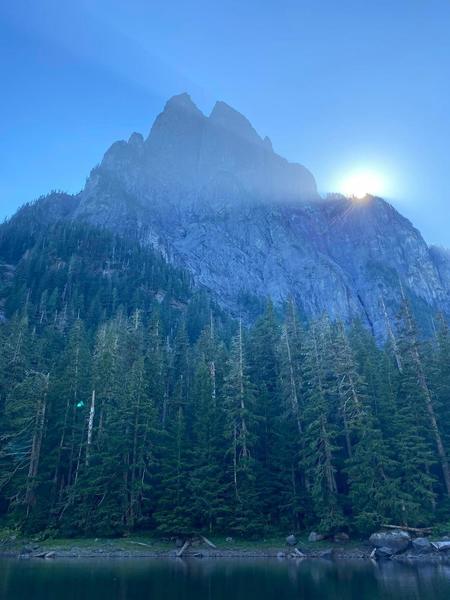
(337, 85)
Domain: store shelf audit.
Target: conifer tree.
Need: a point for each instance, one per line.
(321, 434)
(240, 425)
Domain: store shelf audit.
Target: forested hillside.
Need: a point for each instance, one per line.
(129, 401)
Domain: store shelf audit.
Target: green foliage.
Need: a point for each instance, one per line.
(129, 401)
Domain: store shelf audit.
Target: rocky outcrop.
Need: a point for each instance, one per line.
(213, 197)
(391, 542)
(422, 545)
(400, 546)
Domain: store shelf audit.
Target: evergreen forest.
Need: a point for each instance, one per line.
(130, 401)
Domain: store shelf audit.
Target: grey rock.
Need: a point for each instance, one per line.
(229, 539)
(281, 555)
(384, 552)
(328, 554)
(212, 196)
(396, 541)
(291, 540)
(315, 537)
(442, 546)
(422, 545)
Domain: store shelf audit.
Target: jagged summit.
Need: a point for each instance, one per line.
(187, 155)
(136, 139)
(214, 197)
(234, 123)
(181, 101)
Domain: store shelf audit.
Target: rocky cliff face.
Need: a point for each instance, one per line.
(214, 197)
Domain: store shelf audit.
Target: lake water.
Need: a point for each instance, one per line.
(152, 579)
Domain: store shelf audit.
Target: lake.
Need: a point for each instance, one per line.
(163, 579)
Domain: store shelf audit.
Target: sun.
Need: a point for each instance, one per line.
(361, 183)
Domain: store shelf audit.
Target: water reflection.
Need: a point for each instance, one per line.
(110, 579)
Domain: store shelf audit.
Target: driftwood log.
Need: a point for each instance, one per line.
(420, 530)
(208, 542)
(139, 543)
(189, 541)
(183, 548)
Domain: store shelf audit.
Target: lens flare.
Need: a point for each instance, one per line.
(361, 183)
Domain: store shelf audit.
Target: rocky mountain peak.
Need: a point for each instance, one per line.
(188, 156)
(136, 139)
(214, 197)
(181, 102)
(233, 123)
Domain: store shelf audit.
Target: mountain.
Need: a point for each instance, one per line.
(132, 400)
(214, 197)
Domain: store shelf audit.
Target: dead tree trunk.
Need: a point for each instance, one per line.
(90, 427)
(293, 385)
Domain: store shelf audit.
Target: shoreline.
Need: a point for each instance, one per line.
(148, 547)
(123, 548)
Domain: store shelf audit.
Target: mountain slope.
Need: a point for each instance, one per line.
(214, 197)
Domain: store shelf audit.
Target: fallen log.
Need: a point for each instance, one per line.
(139, 543)
(411, 529)
(208, 542)
(298, 553)
(183, 549)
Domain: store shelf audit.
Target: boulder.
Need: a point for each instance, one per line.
(397, 541)
(383, 552)
(229, 540)
(422, 545)
(328, 554)
(291, 540)
(281, 555)
(441, 546)
(315, 537)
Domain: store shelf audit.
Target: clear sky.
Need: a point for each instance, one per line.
(338, 85)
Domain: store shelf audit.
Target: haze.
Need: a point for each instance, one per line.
(75, 80)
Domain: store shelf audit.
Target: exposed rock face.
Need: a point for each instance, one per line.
(422, 545)
(215, 198)
(441, 546)
(394, 541)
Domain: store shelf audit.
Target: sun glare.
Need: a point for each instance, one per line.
(361, 183)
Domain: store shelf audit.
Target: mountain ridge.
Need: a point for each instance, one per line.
(212, 196)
